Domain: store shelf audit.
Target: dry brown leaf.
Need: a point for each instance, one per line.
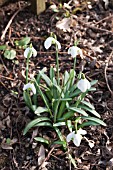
(41, 155)
(64, 24)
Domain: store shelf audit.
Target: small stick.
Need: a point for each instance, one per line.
(9, 23)
(105, 74)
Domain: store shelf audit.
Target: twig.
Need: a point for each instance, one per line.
(4, 65)
(8, 78)
(106, 18)
(105, 74)
(9, 23)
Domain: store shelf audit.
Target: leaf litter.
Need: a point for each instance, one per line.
(91, 24)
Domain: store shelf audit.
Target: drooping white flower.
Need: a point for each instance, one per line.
(74, 51)
(30, 86)
(33, 52)
(49, 41)
(76, 137)
(83, 85)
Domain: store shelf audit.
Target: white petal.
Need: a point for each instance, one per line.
(34, 52)
(48, 42)
(77, 139)
(70, 136)
(58, 44)
(74, 51)
(26, 52)
(82, 132)
(30, 86)
(83, 85)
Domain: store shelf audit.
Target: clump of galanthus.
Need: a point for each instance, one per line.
(83, 85)
(74, 51)
(30, 86)
(30, 51)
(76, 137)
(49, 41)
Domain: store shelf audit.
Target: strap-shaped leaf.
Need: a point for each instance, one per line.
(44, 124)
(52, 73)
(75, 93)
(41, 110)
(34, 122)
(78, 110)
(46, 78)
(40, 139)
(94, 119)
(66, 116)
(88, 104)
(89, 110)
(89, 123)
(59, 124)
(60, 137)
(27, 99)
(93, 82)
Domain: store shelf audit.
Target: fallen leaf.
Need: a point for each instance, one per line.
(64, 24)
(41, 155)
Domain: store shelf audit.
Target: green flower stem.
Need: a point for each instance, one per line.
(57, 62)
(80, 98)
(27, 65)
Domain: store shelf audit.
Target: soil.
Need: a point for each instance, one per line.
(92, 25)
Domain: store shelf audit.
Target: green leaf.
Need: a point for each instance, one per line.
(44, 98)
(3, 47)
(23, 42)
(59, 142)
(42, 140)
(44, 124)
(75, 93)
(59, 124)
(46, 78)
(67, 115)
(40, 110)
(27, 99)
(88, 104)
(52, 73)
(61, 109)
(10, 54)
(92, 89)
(89, 123)
(63, 99)
(89, 110)
(60, 137)
(94, 119)
(66, 83)
(34, 122)
(78, 110)
(93, 82)
(69, 125)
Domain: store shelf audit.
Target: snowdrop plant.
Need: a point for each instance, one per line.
(63, 99)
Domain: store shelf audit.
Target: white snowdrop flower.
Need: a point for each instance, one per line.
(76, 137)
(33, 52)
(49, 41)
(30, 86)
(74, 51)
(83, 85)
